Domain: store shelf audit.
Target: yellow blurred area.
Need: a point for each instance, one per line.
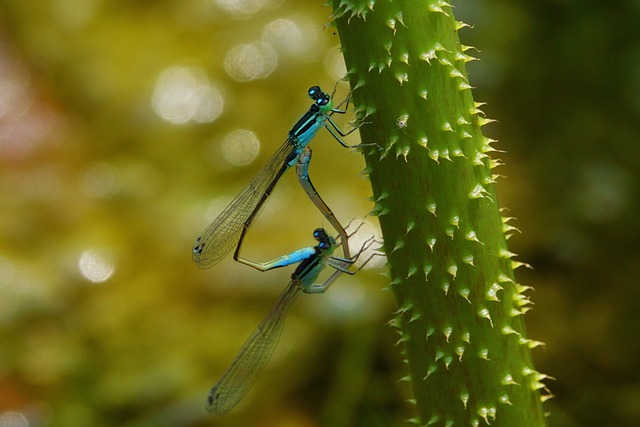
(125, 127)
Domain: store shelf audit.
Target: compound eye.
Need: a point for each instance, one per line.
(319, 234)
(322, 101)
(314, 91)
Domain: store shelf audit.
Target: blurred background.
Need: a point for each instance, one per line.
(125, 126)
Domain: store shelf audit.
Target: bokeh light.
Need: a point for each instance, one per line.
(334, 64)
(284, 34)
(96, 265)
(24, 125)
(246, 62)
(184, 94)
(243, 9)
(365, 239)
(297, 37)
(14, 94)
(240, 147)
(13, 419)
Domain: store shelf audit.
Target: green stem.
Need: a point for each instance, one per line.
(460, 315)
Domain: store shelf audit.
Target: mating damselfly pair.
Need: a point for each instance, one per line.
(230, 227)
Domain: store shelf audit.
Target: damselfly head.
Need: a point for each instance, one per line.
(321, 101)
(324, 240)
(314, 92)
(319, 234)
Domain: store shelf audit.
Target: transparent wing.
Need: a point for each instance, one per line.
(252, 357)
(223, 234)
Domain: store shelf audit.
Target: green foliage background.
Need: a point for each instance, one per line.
(86, 164)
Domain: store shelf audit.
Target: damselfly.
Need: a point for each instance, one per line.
(229, 228)
(257, 350)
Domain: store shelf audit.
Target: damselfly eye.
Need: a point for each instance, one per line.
(320, 235)
(322, 101)
(314, 91)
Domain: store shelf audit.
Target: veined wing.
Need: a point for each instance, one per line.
(223, 234)
(252, 357)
